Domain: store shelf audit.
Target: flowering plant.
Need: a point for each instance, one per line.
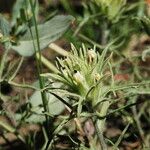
(85, 73)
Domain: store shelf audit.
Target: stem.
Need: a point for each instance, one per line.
(47, 63)
(136, 118)
(12, 130)
(100, 123)
(22, 85)
(39, 66)
(121, 137)
(82, 23)
(103, 111)
(2, 63)
(58, 49)
(16, 71)
(100, 136)
(90, 41)
(104, 34)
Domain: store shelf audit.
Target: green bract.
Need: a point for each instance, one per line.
(83, 73)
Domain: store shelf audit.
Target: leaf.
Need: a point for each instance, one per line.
(4, 26)
(115, 147)
(48, 32)
(145, 53)
(145, 21)
(55, 105)
(5, 29)
(23, 6)
(16, 10)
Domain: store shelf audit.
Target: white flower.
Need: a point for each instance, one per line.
(91, 55)
(78, 77)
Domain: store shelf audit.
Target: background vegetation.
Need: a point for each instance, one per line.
(75, 74)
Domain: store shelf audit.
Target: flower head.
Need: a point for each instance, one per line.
(82, 71)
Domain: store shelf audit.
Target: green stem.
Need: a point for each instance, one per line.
(12, 130)
(58, 49)
(39, 65)
(47, 63)
(90, 41)
(100, 136)
(3, 61)
(103, 111)
(22, 85)
(100, 123)
(136, 118)
(121, 137)
(82, 23)
(16, 71)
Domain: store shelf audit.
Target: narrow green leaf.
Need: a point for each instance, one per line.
(121, 137)
(145, 21)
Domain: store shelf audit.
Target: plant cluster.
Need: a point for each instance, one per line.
(87, 87)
